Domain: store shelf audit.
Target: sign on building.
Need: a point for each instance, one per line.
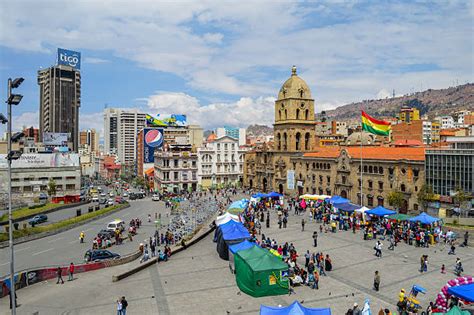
(69, 58)
(55, 138)
(152, 139)
(290, 179)
(36, 160)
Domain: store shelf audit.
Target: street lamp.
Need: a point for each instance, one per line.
(13, 99)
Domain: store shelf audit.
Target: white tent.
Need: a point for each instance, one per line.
(362, 210)
(226, 217)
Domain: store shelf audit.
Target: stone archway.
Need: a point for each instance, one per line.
(404, 207)
(280, 188)
(264, 184)
(344, 194)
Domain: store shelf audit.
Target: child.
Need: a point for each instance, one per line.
(443, 269)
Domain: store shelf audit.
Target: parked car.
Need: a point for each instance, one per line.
(99, 254)
(95, 198)
(119, 199)
(155, 197)
(110, 202)
(103, 194)
(111, 194)
(37, 219)
(133, 196)
(106, 234)
(125, 194)
(43, 196)
(140, 195)
(103, 201)
(116, 224)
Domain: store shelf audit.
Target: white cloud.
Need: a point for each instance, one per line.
(93, 60)
(25, 120)
(241, 113)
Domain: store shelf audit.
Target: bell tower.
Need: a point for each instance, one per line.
(294, 127)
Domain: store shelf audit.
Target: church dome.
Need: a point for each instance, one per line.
(354, 138)
(294, 87)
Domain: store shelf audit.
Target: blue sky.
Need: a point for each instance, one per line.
(222, 64)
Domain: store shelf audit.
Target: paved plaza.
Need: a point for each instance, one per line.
(197, 281)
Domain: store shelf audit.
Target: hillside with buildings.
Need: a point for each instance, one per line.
(430, 102)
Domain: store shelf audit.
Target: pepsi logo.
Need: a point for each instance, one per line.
(154, 138)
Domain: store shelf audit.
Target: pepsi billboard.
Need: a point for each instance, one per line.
(152, 139)
(69, 58)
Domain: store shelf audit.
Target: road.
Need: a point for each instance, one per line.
(64, 247)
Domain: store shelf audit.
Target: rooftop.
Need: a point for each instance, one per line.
(372, 153)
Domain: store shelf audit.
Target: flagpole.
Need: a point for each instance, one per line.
(361, 166)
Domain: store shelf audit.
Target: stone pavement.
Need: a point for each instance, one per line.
(197, 281)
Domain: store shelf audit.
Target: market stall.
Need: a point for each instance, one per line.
(294, 308)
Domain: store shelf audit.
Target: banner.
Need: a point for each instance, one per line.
(290, 179)
(173, 120)
(37, 160)
(55, 138)
(69, 58)
(152, 139)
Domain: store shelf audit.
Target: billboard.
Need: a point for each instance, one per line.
(173, 120)
(55, 138)
(69, 58)
(152, 138)
(290, 179)
(36, 160)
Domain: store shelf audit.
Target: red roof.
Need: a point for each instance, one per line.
(408, 143)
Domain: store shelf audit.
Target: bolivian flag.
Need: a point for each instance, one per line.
(375, 126)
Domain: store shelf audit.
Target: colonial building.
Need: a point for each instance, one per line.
(220, 163)
(296, 165)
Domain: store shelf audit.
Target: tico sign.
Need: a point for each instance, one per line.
(69, 58)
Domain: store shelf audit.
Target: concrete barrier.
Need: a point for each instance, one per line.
(33, 237)
(154, 260)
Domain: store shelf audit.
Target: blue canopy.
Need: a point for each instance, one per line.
(465, 292)
(293, 309)
(239, 204)
(274, 194)
(338, 199)
(380, 211)
(347, 207)
(234, 232)
(259, 195)
(424, 218)
(241, 246)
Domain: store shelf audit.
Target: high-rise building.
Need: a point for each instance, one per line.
(236, 133)
(409, 114)
(60, 99)
(89, 138)
(121, 128)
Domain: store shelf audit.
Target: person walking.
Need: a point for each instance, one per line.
(119, 307)
(124, 305)
(71, 272)
(59, 275)
(376, 281)
(81, 236)
(307, 256)
(422, 263)
(378, 249)
(466, 239)
(315, 239)
(316, 280)
(302, 225)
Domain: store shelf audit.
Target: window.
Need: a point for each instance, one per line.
(279, 114)
(380, 185)
(225, 147)
(380, 170)
(390, 170)
(370, 169)
(402, 187)
(370, 184)
(328, 178)
(365, 168)
(306, 141)
(194, 164)
(285, 138)
(370, 200)
(176, 175)
(297, 141)
(297, 113)
(279, 141)
(176, 163)
(218, 146)
(415, 206)
(404, 171)
(416, 172)
(343, 179)
(306, 114)
(320, 178)
(380, 201)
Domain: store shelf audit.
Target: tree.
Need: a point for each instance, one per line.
(51, 187)
(425, 195)
(395, 199)
(461, 197)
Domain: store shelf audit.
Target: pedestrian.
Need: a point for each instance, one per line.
(443, 269)
(376, 281)
(280, 222)
(71, 272)
(119, 307)
(452, 251)
(466, 239)
(425, 264)
(285, 221)
(302, 224)
(315, 239)
(124, 305)
(356, 310)
(307, 256)
(422, 263)
(316, 280)
(11, 300)
(378, 249)
(59, 275)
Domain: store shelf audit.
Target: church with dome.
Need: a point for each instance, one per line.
(294, 164)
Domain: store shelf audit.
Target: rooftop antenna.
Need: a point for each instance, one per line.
(393, 93)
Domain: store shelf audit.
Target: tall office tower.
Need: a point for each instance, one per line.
(121, 128)
(60, 99)
(89, 137)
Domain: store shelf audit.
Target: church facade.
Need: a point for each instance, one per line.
(295, 165)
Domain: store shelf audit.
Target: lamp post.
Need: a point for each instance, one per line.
(13, 99)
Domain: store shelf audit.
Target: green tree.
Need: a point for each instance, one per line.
(395, 199)
(461, 198)
(51, 187)
(425, 195)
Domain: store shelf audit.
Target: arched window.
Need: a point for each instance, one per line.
(297, 141)
(306, 141)
(285, 139)
(370, 169)
(365, 168)
(286, 115)
(402, 187)
(279, 141)
(297, 113)
(279, 114)
(306, 114)
(380, 170)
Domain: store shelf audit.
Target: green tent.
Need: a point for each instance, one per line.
(400, 217)
(259, 273)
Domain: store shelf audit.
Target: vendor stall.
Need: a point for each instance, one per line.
(293, 309)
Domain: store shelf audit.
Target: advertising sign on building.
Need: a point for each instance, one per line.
(290, 179)
(55, 138)
(35, 160)
(69, 58)
(173, 120)
(152, 139)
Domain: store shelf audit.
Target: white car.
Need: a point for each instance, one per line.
(95, 198)
(111, 194)
(155, 198)
(125, 195)
(110, 202)
(103, 195)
